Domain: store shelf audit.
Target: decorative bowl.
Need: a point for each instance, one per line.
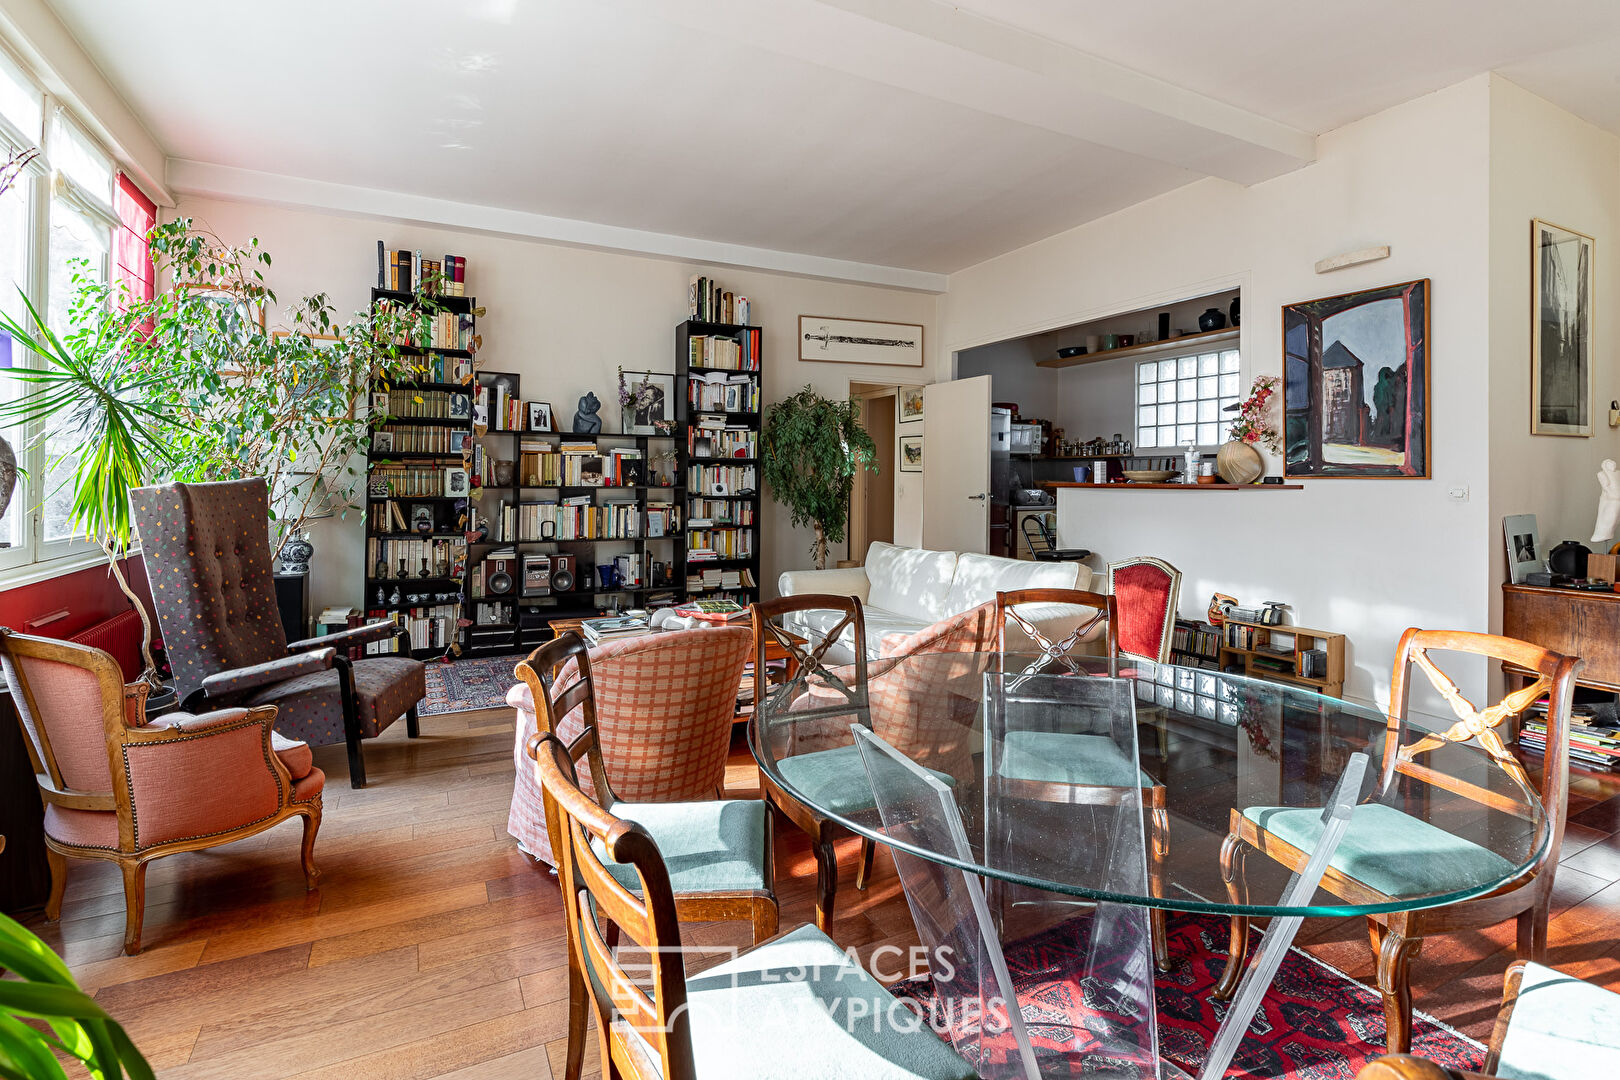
(1149, 476)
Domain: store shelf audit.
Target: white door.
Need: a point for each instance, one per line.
(956, 465)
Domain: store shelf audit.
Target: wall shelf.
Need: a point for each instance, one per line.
(1173, 487)
(1193, 342)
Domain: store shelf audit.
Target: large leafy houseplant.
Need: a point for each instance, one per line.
(193, 385)
(812, 447)
(76, 1027)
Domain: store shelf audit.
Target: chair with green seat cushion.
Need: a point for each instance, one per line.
(794, 1007)
(721, 848)
(1059, 757)
(1388, 857)
(1552, 1026)
(834, 779)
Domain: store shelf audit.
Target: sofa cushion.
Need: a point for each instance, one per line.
(979, 577)
(911, 582)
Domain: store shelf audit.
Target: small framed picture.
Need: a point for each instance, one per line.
(654, 400)
(458, 441)
(421, 518)
(455, 481)
(540, 416)
(911, 403)
(382, 442)
(1524, 555)
(719, 487)
(377, 487)
(911, 453)
(379, 403)
(460, 407)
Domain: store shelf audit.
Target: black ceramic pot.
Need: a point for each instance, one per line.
(1212, 320)
(1236, 310)
(1569, 559)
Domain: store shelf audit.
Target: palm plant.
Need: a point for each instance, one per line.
(812, 447)
(78, 1028)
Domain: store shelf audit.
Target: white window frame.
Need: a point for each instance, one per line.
(35, 558)
(1228, 367)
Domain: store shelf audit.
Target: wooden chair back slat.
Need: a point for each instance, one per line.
(539, 672)
(765, 614)
(1007, 604)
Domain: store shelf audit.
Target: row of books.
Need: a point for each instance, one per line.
(406, 271)
(718, 392)
(707, 512)
(581, 465)
(450, 330)
(1594, 741)
(577, 519)
(1196, 639)
(714, 577)
(443, 369)
(387, 556)
(415, 439)
(404, 481)
(1241, 637)
(721, 480)
(707, 301)
(497, 409)
(663, 519)
(431, 626)
(386, 518)
(439, 404)
(731, 542)
(740, 353)
(733, 441)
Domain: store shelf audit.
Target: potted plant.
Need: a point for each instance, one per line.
(1238, 460)
(191, 385)
(811, 448)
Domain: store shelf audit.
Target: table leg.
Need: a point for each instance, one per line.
(1301, 887)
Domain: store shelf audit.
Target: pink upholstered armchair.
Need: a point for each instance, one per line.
(664, 708)
(117, 787)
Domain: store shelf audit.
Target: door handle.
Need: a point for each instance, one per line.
(981, 497)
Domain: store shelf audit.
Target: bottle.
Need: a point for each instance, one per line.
(1189, 470)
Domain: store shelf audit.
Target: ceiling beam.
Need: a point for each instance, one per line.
(247, 185)
(942, 52)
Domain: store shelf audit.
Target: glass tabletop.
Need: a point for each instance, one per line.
(1038, 756)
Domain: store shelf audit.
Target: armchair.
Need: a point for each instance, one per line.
(116, 787)
(208, 561)
(1147, 591)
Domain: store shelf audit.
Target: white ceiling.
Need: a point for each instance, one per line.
(896, 133)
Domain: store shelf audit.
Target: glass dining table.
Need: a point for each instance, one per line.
(1058, 808)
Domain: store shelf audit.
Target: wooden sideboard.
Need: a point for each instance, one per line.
(1570, 621)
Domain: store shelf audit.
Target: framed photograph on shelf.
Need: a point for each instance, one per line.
(458, 441)
(382, 442)
(1560, 330)
(421, 518)
(455, 481)
(1523, 541)
(653, 399)
(911, 404)
(379, 403)
(460, 407)
(911, 453)
(540, 416)
(860, 341)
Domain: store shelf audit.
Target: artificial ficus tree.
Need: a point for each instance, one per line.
(812, 447)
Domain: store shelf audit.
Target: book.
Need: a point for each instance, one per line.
(613, 627)
(715, 611)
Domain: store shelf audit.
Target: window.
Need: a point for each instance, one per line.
(1180, 399)
(61, 208)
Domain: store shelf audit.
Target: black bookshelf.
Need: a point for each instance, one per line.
(742, 500)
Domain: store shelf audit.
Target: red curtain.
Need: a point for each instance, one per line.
(132, 258)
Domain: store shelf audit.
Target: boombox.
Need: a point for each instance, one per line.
(563, 570)
(536, 575)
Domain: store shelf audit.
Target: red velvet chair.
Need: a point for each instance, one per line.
(1146, 591)
(119, 788)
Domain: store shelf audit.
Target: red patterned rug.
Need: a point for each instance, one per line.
(469, 684)
(1316, 1023)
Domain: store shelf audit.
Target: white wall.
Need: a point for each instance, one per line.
(564, 319)
(1548, 164)
(1365, 557)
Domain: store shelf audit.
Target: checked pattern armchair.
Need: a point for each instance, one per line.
(118, 787)
(208, 560)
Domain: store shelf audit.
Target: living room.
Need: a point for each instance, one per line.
(549, 362)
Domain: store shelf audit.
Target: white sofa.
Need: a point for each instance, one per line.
(904, 590)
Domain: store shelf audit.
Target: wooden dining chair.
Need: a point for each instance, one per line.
(832, 777)
(721, 849)
(796, 1006)
(1067, 767)
(1361, 873)
(1147, 591)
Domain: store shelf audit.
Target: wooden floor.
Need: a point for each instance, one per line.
(434, 948)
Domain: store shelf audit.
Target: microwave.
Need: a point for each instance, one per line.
(1026, 439)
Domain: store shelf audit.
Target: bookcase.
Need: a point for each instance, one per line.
(719, 397)
(1279, 653)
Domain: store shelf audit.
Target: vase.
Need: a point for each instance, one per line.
(503, 474)
(296, 553)
(8, 474)
(1239, 463)
(1212, 319)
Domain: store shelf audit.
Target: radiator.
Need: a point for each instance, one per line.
(119, 635)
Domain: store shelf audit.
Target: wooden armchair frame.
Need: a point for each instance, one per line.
(824, 833)
(118, 703)
(1397, 937)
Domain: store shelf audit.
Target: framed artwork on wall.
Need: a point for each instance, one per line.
(1560, 330)
(860, 341)
(911, 453)
(1356, 384)
(911, 404)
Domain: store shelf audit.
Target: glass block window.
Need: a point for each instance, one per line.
(1182, 397)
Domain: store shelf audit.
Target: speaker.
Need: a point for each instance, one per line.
(562, 573)
(499, 580)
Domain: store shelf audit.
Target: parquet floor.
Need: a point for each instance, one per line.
(433, 948)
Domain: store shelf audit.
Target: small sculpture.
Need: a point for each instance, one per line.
(586, 422)
(1608, 515)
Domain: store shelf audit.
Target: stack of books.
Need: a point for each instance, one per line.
(715, 611)
(708, 301)
(1594, 740)
(613, 627)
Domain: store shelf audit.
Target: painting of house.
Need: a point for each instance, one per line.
(1355, 373)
